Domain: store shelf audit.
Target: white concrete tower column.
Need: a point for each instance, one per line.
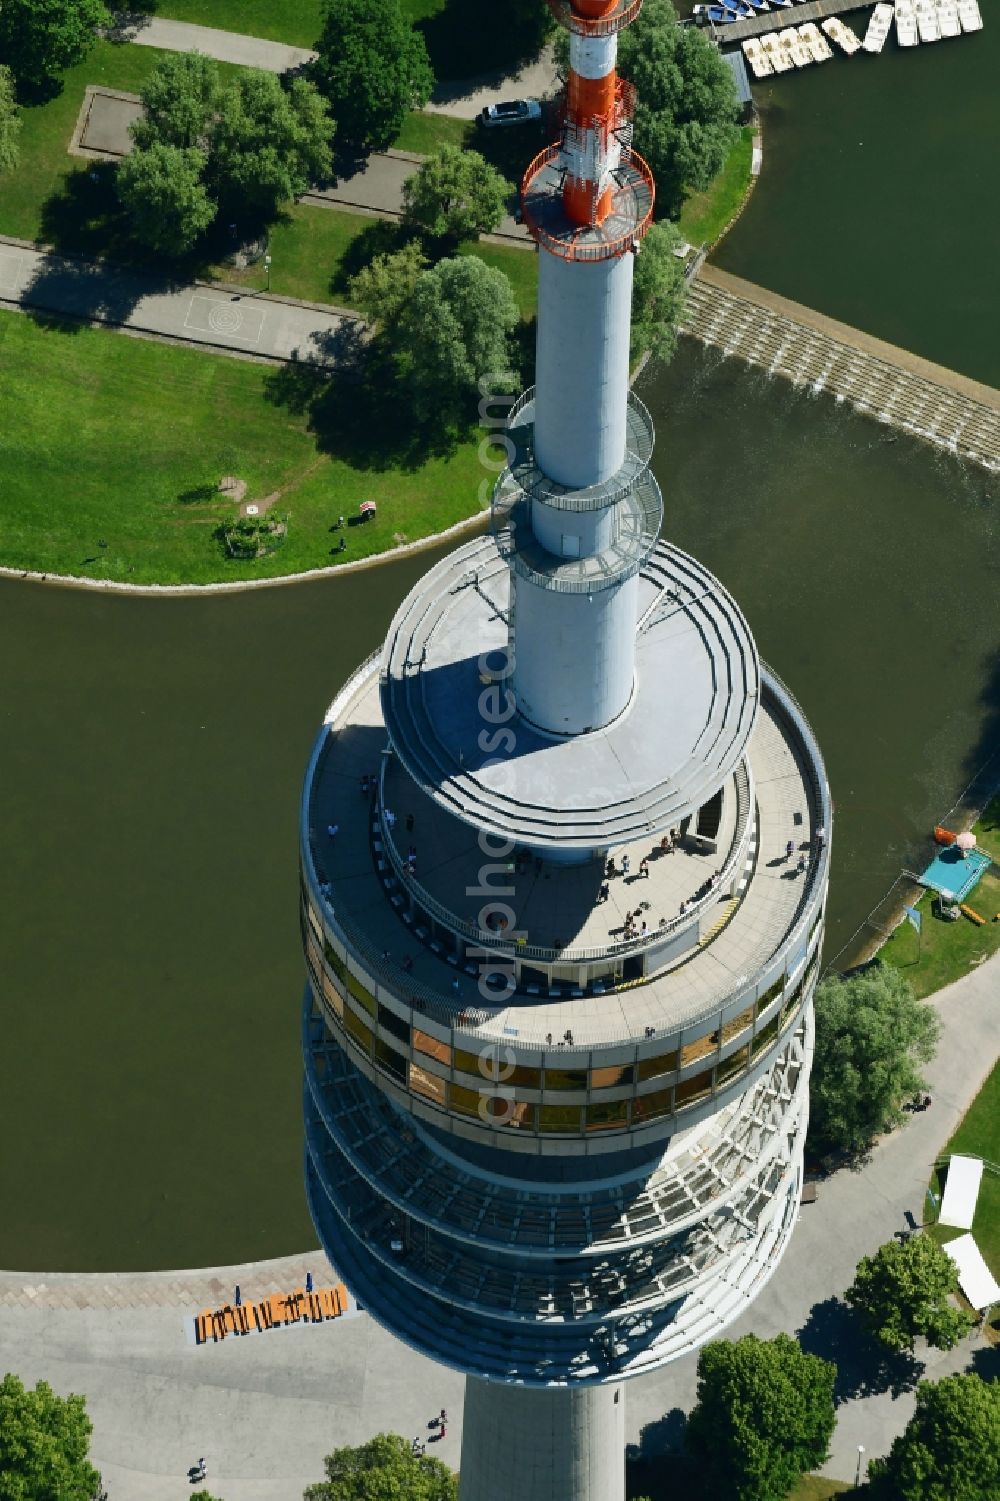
(573, 613)
(581, 367)
(525, 1443)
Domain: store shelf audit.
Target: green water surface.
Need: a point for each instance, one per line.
(879, 200)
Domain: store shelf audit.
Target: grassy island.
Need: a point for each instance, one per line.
(115, 447)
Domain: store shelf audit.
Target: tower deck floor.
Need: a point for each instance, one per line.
(556, 906)
(776, 901)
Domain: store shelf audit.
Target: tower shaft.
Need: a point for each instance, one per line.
(555, 1119)
(588, 204)
(520, 1444)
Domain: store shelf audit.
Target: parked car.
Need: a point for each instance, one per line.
(511, 112)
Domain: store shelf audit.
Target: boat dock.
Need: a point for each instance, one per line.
(956, 414)
(777, 20)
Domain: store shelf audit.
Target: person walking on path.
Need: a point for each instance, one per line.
(625, 864)
(789, 849)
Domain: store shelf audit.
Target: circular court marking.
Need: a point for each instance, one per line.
(223, 318)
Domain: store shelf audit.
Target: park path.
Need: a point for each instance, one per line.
(462, 99)
(264, 1410)
(229, 321)
(224, 46)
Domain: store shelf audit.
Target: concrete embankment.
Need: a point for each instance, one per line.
(784, 338)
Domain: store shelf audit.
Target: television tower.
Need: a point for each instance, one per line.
(564, 857)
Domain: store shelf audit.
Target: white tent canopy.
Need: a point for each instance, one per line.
(974, 1276)
(961, 1190)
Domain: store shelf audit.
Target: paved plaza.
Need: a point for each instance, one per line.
(265, 1409)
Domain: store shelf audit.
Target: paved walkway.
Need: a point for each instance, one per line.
(378, 189)
(225, 46)
(250, 325)
(265, 1409)
(463, 99)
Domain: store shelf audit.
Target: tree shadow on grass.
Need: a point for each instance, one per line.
(458, 52)
(355, 404)
(198, 494)
(834, 1331)
(97, 271)
(379, 237)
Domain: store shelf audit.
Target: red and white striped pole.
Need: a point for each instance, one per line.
(591, 148)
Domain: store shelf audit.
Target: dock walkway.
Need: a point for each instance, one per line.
(777, 20)
(947, 409)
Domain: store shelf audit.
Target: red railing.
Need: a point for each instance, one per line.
(623, 15)
(569, 242)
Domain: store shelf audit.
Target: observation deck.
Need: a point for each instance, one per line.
(526, 476)
(545, 1285)
(629, 215)
(685, 729)
(615, 1042)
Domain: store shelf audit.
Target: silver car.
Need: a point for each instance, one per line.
(511, 112)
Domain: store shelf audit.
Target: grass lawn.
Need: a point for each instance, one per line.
(947, 950)
(297, 22)
(315, 251)
(425, 130)
(45, 166)
(817, 1488)
(979, 1135)
(119, 440)
(987, 830)
(666, 1478)
(705, 215)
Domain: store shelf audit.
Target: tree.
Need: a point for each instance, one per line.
(381, 1470)
(658, 294)
(40, 38)
(162, 191)
(871, 1033)
(456, 194)
(950, 1448)
(454, 330)
(180, 98)
(373, 68)
(383, 288)
(242, 147)
(902, 1292)
(763, 1418)
(10, 122)
(687, 105)
(44, 1440)
(268, 143)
